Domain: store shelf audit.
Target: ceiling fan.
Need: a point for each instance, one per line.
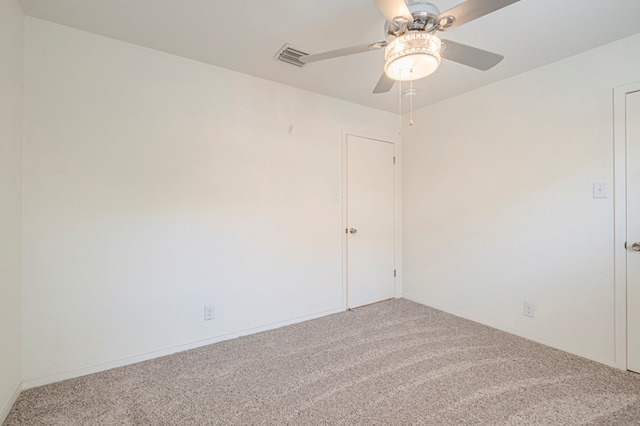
(412, 48)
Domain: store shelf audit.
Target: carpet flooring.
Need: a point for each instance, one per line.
(392, 363)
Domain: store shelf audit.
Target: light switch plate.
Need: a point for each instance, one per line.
(600, 190)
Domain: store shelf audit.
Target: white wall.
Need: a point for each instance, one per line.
(498, 206)
(11, 73)
(155, 185)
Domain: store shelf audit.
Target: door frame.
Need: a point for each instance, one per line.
(620, 221)
(397, 210)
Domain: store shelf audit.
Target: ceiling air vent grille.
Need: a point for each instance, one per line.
(290, 56)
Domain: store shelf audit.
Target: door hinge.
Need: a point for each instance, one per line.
(346, 230)
(625, 245)
(394, 272)
(394, 160)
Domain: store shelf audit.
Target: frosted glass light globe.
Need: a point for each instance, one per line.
(412, 56)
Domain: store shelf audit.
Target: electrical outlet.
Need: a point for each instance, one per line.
(209, 312)
(529, 309)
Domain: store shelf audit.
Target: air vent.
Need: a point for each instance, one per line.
(290, 55)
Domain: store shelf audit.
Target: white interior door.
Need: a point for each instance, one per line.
(370, 221)
(633, 230)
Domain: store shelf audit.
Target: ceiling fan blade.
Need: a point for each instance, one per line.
(394, 8)
(470, 56)
(468, 11)
(343, 52)
(384, 84)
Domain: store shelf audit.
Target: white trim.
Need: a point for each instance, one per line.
(397, 176)
(343, 199)
(398, 217)
(9, 405)
(620, 222)
(168, 351)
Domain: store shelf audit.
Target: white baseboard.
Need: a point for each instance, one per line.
(168, 351)
(542, 340)
(5, 410)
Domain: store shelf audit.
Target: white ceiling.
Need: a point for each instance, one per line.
(245, 35)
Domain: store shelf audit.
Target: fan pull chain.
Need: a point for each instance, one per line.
(400, 105)
(411, 99)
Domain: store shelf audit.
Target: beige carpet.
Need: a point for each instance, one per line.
(393, 363)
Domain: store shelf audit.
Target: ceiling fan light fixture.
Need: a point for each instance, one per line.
(412, 56)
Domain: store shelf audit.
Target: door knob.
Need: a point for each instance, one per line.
(354, 230)
(635, 246)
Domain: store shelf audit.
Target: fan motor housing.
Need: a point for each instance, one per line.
(425, 18)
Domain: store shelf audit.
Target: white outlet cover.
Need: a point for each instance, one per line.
(209, 312)
(529, 310)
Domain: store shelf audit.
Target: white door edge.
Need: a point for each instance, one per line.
(396, 141)
(620, 222)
